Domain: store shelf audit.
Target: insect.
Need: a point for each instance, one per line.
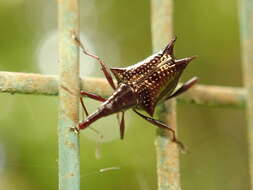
(140, 87)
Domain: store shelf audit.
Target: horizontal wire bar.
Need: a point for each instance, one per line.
(218, 96)
(29, 83)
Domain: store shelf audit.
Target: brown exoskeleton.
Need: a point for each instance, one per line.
(140, 86)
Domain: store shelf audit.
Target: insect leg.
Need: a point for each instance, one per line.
(188, 84)
(84, 108)
(163, 126)
(92, 96)
(122, 125)
(103, 66)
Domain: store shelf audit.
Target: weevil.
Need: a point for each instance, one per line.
(140, 87)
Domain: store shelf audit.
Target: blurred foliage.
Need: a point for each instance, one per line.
(120, 33)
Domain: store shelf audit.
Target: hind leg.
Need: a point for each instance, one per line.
(163, 126)
(188, 84)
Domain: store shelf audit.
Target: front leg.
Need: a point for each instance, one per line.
(103, 66)
(102, 99)
(92, 96)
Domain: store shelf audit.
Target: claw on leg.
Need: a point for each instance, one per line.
(76, 130)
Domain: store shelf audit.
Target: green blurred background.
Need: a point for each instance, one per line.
(119, 32)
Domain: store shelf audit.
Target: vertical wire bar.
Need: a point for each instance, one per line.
(246, 21)
(69, 90)
(167, 152)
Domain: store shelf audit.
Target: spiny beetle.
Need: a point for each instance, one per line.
(140, 87)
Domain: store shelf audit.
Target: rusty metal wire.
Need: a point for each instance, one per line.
(37, 84)
(68, 142)
(166, 152)
(246, 13)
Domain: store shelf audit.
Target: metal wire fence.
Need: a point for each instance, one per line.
(167, 153)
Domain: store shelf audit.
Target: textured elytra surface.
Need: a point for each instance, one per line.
(154, 78)
(138, 71)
